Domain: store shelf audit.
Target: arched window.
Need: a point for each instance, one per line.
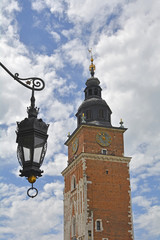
(73, 183)
(90, 92)
(101, 113)
(88, 114)
(108, 117)
(95, 91)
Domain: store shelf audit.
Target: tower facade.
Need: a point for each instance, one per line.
(97, 201)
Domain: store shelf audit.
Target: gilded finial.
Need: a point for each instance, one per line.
(68, 135)
(121, 123)
(92, 66)
(83, 118)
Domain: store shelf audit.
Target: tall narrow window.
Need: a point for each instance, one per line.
(88, 114)
(90, 92)
(98, 225)
(73, 183)
(95, 91)
(101, 113)
(74, 227)
(89, 235)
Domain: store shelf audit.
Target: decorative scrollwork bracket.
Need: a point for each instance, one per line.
(33, 83)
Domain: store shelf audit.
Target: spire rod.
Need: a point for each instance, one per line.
(92, 66)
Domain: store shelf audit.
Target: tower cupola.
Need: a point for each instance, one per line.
(94, 109)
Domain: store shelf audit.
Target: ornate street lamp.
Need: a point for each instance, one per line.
(31, 135)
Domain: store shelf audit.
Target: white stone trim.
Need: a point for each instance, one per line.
(101, 226)
(93, 156)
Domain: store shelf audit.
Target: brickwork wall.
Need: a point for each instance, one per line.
(87, 142)
(109, 199)
(102, 187)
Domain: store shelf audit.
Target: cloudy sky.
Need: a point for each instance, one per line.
(50, 39)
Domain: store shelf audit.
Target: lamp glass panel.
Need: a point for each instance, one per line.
(27, 154)
(38, 142)
(37, 154)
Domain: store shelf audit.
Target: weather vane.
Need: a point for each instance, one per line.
(92, 66)
(90, 51)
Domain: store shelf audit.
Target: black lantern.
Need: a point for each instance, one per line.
(32, 145)
(31, 135)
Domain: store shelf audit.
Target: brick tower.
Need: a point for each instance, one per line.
(97, 201)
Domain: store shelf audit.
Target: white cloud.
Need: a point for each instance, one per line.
(8, 145)
(59, 111)
(142, 201)
(134, 184)
(76, 52)
(58, 135)
(55, 6)
(149, 219)
(127, 63)
(150, 222)
(55, 36)
(88, 10)
(55, 168)
(38, 5)
(40, 218)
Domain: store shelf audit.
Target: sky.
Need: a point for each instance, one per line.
(50, 39)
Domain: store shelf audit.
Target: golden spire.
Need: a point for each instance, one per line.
(92, 66)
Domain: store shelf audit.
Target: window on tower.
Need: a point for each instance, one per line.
(89, 235)
(73, 227)
(101, 113)
(95, 91)
(90, 92)
(73, 183)
(88, 114)
(98, 225)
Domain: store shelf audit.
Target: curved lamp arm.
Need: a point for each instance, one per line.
(36, 83)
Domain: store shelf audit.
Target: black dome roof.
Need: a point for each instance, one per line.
(94, 109)
(93, 102)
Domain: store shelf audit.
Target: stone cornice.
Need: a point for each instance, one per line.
(93, 157)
